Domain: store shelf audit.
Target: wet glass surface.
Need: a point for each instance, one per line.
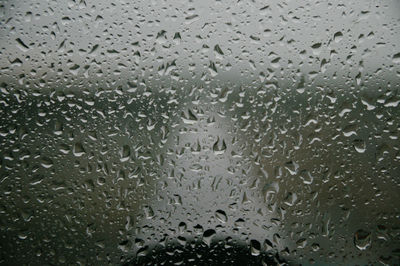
(199, 132)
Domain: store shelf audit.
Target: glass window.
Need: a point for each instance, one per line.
(199, 132)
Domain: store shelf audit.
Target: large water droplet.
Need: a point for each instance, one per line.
(362, 239)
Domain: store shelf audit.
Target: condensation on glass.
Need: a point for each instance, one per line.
(144, 132)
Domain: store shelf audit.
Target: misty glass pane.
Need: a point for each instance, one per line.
(207, 132)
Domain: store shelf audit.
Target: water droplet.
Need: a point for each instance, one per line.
(359, 145)
(208, 235)
(125, 153)
(255, 247)
(396, 58)
(219, 146)
(362, 239)
(221, 216)
(78, 149)
(338, 36)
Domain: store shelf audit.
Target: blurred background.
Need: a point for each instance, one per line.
(130, 127)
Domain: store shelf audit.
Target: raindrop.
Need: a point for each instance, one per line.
(255, 247)
(359, 145)
(125, 153)
(362, 239)
(221, 216)
(78, 149)
(208, 235)
(219, 146)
